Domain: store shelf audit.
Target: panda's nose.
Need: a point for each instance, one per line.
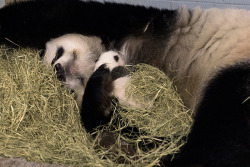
(60, 73)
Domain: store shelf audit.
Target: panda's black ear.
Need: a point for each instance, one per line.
(116, 57)
(41, 54)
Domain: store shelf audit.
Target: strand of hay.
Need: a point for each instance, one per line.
(40, 121)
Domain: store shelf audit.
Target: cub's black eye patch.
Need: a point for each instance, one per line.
(116, 58)
(59, 54)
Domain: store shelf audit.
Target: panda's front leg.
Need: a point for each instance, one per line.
(97, 98)
(100, 90)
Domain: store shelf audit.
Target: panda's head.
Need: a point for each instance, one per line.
(73, 56)
(112, 59)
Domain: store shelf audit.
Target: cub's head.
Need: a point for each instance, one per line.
(73, 57)
(112, 59)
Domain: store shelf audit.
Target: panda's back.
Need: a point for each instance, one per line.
(203, 43)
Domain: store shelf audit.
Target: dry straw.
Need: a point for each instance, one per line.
(39, 119)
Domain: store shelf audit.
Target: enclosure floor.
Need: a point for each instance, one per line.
(22, 162)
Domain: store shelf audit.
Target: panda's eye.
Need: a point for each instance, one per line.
(116, 58)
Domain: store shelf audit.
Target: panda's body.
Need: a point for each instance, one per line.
(201, 43)
(205, 52)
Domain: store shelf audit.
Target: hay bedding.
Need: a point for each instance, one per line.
(39, 119)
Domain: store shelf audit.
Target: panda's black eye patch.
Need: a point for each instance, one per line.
(59, 54)
(116, 58)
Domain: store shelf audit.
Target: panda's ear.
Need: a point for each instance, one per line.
(42, 53)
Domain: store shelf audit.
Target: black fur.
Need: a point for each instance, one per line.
(60, 72)
(59, 54)
(220, 136)
(119, 72)
(98, 96)
(97, 99)
(40, 20)
(34, 23)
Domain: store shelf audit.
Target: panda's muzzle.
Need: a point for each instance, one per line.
(60, 72)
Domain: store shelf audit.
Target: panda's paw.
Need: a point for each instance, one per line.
(111, 59)
(97, 98)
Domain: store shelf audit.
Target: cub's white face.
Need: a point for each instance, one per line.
(73, 56)
(112, 59)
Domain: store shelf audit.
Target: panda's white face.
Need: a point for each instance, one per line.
(112, 59)
(73, 56)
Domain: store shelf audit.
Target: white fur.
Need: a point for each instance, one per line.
(202, 43)
(78, 59)
(119, 84)
(108, 59)
(119, 92)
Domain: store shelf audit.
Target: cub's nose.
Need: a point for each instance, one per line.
(60, 73)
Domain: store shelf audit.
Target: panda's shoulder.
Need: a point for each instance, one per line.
(227, 92)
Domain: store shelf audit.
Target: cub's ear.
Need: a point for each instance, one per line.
(42, 53)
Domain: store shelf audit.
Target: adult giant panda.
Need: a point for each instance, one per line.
(205, 52)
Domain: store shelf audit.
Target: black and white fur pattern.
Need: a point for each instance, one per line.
(105, 84)
(73, 56)
(111, 59)
(120, 75)
(205, 52)
(109, 81)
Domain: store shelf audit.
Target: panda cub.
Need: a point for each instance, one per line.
(107, 82)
